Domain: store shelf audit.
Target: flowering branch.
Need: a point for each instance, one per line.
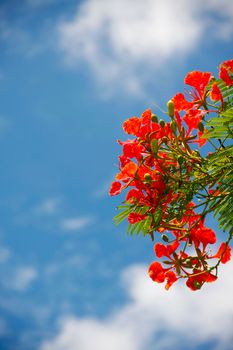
(172, 186)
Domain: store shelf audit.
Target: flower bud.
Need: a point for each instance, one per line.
(170, 108)
(162, 123)
(147, 177)
(154, 118)
(173, 126)
(200, 126)
(165, 238)
(212, 79)
(154, 146)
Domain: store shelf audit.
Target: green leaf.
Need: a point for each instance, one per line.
(126, 210)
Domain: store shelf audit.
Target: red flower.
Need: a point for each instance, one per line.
(198, 80)
(223, 253)
(132, 148)
(127, 171)
(123, 160)
(198, 278)
(146, 117)
(156, 272)
(163, 250)
(201, 141)
(228, 65)
(226, 68)
(223, 74)
(133, 194)
(170, 277)
(134, 217)
(203, 235)
(160, 250)
(180, 103)
(115, 188)
(132, 126)
(193, 117)
(215, 93)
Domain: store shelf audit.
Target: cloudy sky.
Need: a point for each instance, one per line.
(70, 73)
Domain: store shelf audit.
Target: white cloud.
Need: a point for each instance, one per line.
(155, 316)
(224, 10)
(115, 38)
(20, 279)
(49, 206)
(75, 223)
(4, 254)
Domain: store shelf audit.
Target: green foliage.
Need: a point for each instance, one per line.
(220, 166)
(125, 210)
(221, 127)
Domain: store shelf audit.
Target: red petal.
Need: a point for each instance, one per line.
(132, 126)
(156, 272)
(215, 93)
(198, 80)
(193, 117)
(115, 188)
(223, 74)
(180, 103)
(134, 217)
(171, 278)
(224, 252)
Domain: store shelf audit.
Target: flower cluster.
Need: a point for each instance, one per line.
(170, 188)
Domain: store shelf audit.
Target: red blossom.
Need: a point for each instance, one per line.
(123, 160)
(215, 93)
(156, 272)
(228, 65)
(223, 253)
(180, 103)
(133, 194)
(163, 250)
(198, 278)
(199, 81)
(223, 74)
(146, 117)
(201, 141)
(134, 217)
(132, 126)
(171, 278)
(115, 188)
(127, 171)
(131, 149)
(193, 117)
(203, 235)
(226, 68)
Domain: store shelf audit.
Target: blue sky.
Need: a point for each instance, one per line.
(70, 73)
